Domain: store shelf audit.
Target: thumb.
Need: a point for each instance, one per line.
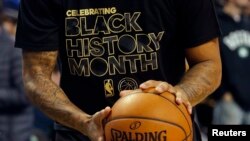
(104, 113)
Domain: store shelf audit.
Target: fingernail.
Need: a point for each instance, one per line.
(179, 101)
(159, 89)
(100, 139)
(190, 111)
(143, 86)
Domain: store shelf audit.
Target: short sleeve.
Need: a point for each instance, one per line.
(199, 24)
(38, 25)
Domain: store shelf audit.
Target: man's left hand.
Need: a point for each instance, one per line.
(161, 87)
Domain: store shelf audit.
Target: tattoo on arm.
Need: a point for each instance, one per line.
(199, 81)
(204, 75)
(45, 94)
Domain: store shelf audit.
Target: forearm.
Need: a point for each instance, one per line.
(50, 98)
(200, 81)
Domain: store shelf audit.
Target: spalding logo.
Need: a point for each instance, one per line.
(118, 135)
(135, 125)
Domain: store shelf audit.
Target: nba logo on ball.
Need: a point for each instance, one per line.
(148, 117)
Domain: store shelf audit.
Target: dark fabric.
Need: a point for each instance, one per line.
(198, 22)
(61, 135)
(38, 25)
(235, 53)
(196, 132)
(1, 6)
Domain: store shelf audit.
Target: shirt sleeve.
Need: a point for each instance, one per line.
(199, 23)
(38, 25)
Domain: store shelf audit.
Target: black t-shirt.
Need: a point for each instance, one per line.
(108, 46)
(235, 52)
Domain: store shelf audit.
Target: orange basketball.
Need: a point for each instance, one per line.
(148, 117)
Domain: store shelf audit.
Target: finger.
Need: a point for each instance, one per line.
(188, 106)
(97, 137)
(164, 86)
(105, 113)
(149, 84)
(100, 139)
(127, 92)
(178, 98)
(101, 115)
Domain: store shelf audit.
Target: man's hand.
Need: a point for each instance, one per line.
(94, 126)
(51, 99)
(161, 87)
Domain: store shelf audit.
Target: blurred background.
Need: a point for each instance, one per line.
(229, 105)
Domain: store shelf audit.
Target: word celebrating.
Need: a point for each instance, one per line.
(91, 11)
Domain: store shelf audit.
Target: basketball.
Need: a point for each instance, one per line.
(148, 117)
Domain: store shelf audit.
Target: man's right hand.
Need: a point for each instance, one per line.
(94, 126)
(51, 99)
